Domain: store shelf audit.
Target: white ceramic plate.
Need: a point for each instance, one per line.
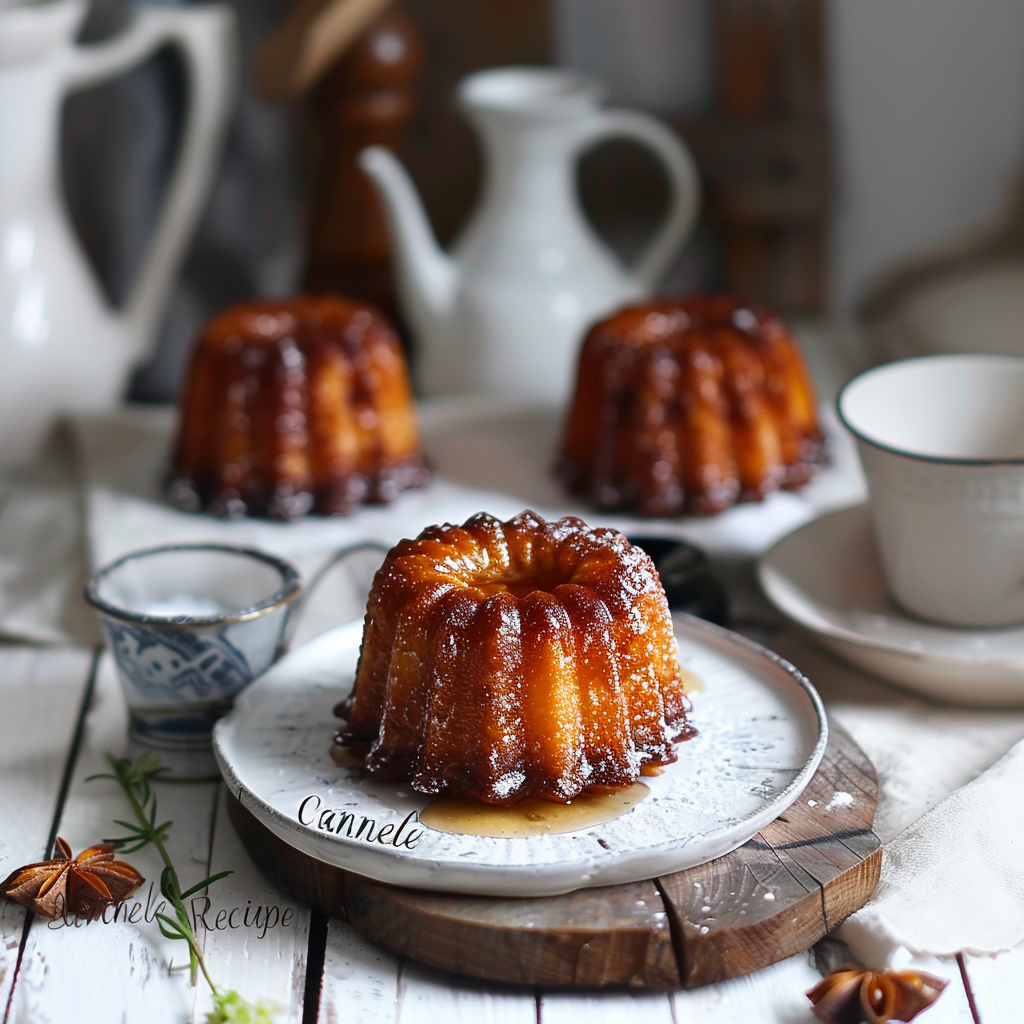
(825, 576)
(762, 732)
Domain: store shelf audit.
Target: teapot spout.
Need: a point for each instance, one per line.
(427, 277)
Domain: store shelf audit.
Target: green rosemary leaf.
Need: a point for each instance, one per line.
(132, 828)
(169, 885)
(204, 883)
(146, 764)
(169, 928)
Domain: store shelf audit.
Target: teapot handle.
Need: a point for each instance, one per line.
(684, 183)
(206, 38)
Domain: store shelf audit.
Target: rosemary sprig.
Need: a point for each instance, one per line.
(134, 778)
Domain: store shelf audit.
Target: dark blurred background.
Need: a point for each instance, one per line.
(835, 138)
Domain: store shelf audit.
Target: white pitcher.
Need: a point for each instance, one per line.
(505, 312)
(62, 347)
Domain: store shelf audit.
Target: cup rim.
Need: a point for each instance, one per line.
(290, 589)
(943, 460)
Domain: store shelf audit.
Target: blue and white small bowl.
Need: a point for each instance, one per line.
(190, 625)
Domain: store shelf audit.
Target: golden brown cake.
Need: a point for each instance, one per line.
(504, 660)
(295, 406)
(688, 406)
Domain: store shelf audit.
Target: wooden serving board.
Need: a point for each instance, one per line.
(773, 897)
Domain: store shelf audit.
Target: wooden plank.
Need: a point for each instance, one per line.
(256, 936)
(768, 996)
(116, 970)
(426, 996)
(41, 693)
(795, 881)
(360, 981)
(995, 984)
(606, 1008)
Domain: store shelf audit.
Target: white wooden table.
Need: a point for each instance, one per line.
(61, 709)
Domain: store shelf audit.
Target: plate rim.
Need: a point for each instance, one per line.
(616, 872)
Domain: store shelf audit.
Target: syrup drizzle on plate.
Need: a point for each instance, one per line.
(530, 817)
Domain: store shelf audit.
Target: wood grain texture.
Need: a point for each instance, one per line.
(114, 969)
(117, 968)
(41, 695)
(771, 898)
(583, 939)
(790, 885)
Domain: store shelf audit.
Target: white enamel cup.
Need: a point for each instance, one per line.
(941, 439)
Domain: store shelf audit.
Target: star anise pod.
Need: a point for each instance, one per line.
(83, 886)
(853, 995)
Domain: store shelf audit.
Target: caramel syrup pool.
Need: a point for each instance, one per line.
(529, 817)
(532, 817)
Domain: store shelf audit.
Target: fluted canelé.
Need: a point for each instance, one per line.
(504, 660)
(295, 406)
(688, 406)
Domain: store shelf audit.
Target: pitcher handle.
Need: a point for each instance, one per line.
(206, 38)
(684, 183)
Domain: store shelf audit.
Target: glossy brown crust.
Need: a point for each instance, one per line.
(688, 407)
(504, 660)
(295, 406)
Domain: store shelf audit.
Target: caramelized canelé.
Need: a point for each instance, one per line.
(688, 407)
(504, 660)
(295, 406)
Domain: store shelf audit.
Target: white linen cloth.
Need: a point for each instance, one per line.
(952, 818)
(42, 557)
(950, 813)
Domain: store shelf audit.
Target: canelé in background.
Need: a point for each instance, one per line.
(687, 407)
(295, 406)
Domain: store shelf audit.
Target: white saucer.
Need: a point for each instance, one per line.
(762, 732)
(825, 576)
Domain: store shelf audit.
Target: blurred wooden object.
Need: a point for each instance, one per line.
(310, 39)
(764, 151)
(358, 72)
(367, 98)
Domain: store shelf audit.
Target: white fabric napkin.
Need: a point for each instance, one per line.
(950, 813)
(42, 559)
(125, 455)
(485, 455)
(954, 879)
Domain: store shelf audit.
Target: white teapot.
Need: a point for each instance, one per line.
(505, 312)
(62, 347)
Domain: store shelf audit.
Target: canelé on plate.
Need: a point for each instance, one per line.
(295, 406)
(688, 406)
(504, 660)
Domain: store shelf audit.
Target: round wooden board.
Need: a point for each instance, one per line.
(773, 897)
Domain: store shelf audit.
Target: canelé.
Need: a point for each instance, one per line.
(295, 406)
(688, 406)
(504, 660)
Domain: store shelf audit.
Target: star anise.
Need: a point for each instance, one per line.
(83, 886)
(853, 995)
